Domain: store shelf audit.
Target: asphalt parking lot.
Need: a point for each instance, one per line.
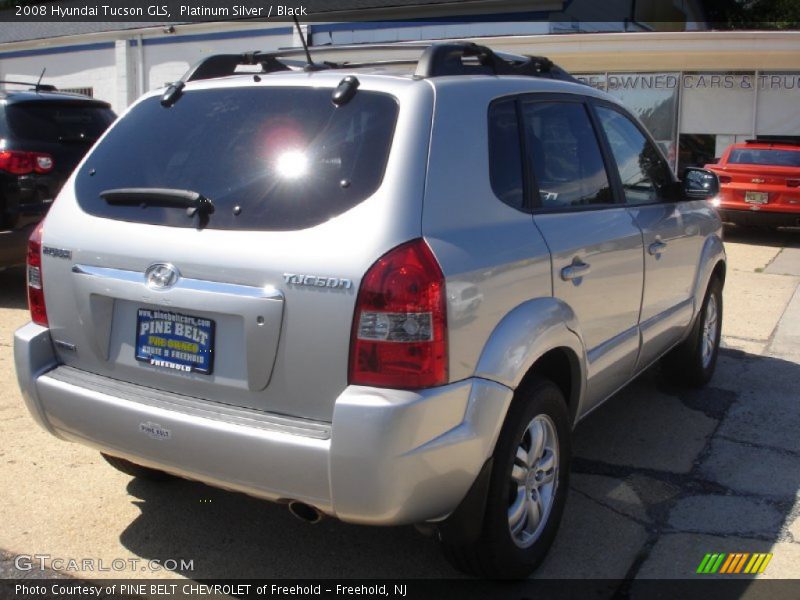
(661, 475)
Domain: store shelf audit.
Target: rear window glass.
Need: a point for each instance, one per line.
(752, 156)
(267, 158)
(58, 122)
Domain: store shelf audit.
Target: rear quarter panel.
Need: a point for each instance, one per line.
(481, 243)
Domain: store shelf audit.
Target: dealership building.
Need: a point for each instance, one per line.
(697, 90)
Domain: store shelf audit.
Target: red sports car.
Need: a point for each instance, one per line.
(760, 183)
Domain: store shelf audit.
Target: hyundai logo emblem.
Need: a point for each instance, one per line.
(161, 276)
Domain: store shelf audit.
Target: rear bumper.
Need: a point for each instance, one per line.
(388, 457)
(759, 217)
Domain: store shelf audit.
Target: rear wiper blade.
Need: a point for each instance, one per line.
(193, 202)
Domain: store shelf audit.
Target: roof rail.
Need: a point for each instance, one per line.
(453, 58)
(435, 59)
(37, 87)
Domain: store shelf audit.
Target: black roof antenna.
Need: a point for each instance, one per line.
(310, 65)
(39, 83)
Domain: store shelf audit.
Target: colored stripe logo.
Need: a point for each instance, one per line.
(732, 564)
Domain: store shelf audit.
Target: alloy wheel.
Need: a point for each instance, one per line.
(710, 325)
(533, 483)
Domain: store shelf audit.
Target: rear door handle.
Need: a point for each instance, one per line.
(577, 269)
(656, 247)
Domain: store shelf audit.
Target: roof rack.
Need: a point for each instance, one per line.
(432, 59)
(37, 87)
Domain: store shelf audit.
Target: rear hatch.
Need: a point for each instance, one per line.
(769, 177)
(248, 303)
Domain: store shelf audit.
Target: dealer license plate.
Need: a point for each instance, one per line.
(756, 197)
(175, 341)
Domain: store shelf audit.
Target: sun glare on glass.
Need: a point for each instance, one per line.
(292, 164)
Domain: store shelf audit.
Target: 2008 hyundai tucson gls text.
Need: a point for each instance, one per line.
(381, 296)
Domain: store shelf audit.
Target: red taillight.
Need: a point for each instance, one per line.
(399, 337)
(724, 178)
(35, 286)
(22, 163)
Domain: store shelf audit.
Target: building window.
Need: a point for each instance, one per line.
(652, 97)
(696, 150)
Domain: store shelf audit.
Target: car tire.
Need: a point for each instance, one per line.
(525, 483)
(138, 471)
(693, 361)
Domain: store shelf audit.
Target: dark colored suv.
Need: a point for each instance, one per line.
(43, 136)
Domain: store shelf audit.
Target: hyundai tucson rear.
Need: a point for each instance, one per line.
(338, 290)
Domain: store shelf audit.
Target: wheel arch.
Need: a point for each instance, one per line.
(561, 366)
(541, 338)
(720, 270)
(712, 263)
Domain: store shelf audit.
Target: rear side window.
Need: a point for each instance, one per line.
(58, 122)
(268, 158)
(778, 158)
(565, 155)
(505, 157)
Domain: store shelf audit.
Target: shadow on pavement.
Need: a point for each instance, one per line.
(785, 237)
(232, 535)
(710, 470)
(661, 476)
(12, 288)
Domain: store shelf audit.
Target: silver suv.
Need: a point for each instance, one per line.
(382, 296)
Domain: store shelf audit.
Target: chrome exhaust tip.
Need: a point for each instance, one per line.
(304, 512)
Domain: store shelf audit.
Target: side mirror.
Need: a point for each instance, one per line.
(699, 184)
